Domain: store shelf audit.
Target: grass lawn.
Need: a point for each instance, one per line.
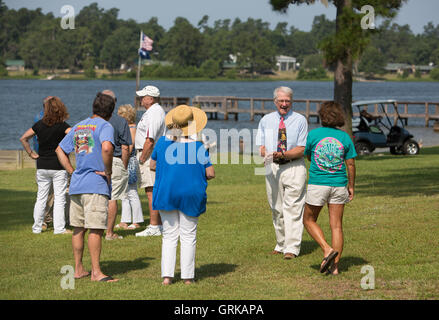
(392, 226)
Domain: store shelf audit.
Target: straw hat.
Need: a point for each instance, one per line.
(188, 119)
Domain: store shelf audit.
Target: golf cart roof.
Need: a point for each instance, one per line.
(364, 102)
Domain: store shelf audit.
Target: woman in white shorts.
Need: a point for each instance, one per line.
(330, 151)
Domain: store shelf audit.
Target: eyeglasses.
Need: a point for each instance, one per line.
(283, 101)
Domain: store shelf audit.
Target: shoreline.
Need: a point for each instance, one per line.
(213, 80)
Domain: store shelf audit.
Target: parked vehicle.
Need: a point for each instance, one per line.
(371, 131)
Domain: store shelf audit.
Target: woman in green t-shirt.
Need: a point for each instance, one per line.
(330, 151)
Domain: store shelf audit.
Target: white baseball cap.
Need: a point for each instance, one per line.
(149, 91)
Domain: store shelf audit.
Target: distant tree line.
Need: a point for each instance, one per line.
(101, 39)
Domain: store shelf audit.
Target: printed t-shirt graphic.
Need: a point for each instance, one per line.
(329, 154)
(83, 138)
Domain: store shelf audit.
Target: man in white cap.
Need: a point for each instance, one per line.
(149, 129)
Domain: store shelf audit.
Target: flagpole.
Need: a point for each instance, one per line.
(138, 69)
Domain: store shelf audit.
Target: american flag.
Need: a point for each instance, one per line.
(146, 43)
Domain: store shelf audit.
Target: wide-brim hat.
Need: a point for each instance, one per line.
(149, 91)
(189, 120)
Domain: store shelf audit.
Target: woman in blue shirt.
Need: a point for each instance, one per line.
(330, 151)
(182, 168)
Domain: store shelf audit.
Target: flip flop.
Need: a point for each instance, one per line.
(106, 279)
(132, 227)
(327, 261)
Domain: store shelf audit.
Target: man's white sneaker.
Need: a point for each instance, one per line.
(150, 231)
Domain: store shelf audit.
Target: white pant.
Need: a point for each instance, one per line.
(178, 225)
(44, 179)
(131, 205)
(286, 192)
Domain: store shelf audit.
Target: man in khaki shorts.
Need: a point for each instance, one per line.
(150, 128)
(119, 178)
(92, 141)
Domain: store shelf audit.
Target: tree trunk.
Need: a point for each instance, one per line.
(343, 72)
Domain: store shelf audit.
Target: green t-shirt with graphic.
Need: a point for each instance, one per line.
(328, 149)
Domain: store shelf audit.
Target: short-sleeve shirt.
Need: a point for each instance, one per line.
(48, 140)
(85, 139)
(151, 125)
(268, 128)
(122, 134)
(328, 149)
(180, 181)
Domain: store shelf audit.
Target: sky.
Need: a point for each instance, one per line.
(415, 13)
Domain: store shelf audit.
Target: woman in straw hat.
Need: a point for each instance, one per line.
(182, 168)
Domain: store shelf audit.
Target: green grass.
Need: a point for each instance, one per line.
(392, 225)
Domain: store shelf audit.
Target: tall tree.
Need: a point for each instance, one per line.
(184, 44)
(120, 47)
(251, 45)
(347, 43)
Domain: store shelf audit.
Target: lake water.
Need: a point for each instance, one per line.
(21, 100)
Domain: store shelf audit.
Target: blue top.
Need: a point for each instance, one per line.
(180, 182)
(295, 124)
(329, 148)
(86, 140)
(122, 134)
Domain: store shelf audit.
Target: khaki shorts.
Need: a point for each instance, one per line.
(320, 195)
(89, 211)
(147, 177)
(119, 180)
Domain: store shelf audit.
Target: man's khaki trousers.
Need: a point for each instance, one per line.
(286, 190)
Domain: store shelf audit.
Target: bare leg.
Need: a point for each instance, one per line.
(310, 215)
(336, 221)
(94, 247)
(112, 212)
(78, 251)
(154, 215)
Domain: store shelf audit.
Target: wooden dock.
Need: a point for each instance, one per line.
(232, 107)
(228, 106)
(18, 159)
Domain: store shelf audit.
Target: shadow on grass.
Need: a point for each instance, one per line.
(400, 183)
(308, 247)
(211, 270)
(121, 267)
(345, 263)
(17, 208)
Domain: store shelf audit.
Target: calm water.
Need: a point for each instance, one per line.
(20, 100)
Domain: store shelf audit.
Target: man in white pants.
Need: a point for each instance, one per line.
(282, 139)
(149, 129)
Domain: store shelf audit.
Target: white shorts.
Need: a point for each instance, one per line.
(317, 195)
(147, 177)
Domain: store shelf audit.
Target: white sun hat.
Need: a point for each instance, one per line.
(149, 91)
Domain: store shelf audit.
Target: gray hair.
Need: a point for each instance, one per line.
(286, 90)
